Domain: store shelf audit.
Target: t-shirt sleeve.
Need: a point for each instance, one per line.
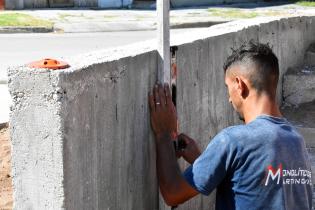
(210, 168)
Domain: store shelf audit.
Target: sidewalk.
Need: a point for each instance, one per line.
(87, 20)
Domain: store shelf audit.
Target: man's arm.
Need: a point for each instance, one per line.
(174, 188)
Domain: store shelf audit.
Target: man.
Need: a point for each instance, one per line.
(260, 165)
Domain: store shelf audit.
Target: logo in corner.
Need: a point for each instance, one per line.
(274, 174)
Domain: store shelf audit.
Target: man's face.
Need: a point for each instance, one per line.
(234, 92)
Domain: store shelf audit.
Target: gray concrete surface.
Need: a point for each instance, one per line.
(310, 56)
(294, 93)
(92, 119)
(302, 117)
(37, 165)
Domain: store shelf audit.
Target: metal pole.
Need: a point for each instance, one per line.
(163, 32)
(163, 44)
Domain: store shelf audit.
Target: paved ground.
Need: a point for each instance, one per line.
(20, 49)
(88, 20)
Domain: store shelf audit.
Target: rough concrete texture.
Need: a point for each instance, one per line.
(293, 92)
(37, 143)
(310, 58)
(81, 137)
(310, 55)
(302, 117)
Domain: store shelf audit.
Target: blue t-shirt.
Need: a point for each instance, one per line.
(262, 165)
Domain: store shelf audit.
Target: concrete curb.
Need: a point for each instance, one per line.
(197, 24)
(26, 29)
(105, 27)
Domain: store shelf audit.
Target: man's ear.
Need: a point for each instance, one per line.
(242, 87)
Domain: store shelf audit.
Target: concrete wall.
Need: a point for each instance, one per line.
(81, 137)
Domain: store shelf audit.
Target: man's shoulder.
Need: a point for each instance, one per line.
(231, 135)
(240, 135)
(235, 131)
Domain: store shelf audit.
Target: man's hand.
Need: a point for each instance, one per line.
(174, 188)
(163, 112)
(191, 151)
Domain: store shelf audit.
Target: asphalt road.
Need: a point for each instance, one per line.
(19, 49)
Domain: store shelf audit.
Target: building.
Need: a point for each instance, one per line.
(29, 4)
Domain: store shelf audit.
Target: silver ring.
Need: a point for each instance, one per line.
(157, 103)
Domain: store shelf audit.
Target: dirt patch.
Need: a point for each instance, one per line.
(6, 194)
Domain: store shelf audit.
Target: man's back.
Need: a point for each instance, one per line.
(260, 165)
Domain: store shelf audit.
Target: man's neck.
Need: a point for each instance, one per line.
(260, 105)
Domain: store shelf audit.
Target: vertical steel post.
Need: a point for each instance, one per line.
(163, 45)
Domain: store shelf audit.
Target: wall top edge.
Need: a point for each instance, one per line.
(86, 60)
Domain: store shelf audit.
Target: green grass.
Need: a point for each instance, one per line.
(306, 3)
(243, 14)
(232, 13)
(19, 19)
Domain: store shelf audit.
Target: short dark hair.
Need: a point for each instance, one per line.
(265, 72)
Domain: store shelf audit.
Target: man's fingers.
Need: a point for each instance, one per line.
(156, 97)
(151, 102)
(167, 93)
(179, 154)
(162, 96)
(184, 137)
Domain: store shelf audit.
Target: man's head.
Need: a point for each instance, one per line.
(251, 70)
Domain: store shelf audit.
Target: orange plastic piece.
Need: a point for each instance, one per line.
(49, 63)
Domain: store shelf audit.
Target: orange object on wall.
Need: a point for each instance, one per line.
(49, 63)
(2, 4)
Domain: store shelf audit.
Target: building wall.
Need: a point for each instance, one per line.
(14, 4)
(26, 4)
(35, 3)
(86, 3)
(81, 137)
